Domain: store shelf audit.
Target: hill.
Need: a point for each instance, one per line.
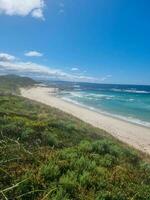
(12, 83)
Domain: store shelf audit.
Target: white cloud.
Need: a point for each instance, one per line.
(7, 57)
(38, 13)
(10, 63)
(87, 78)
(106, 77)
(75, 69)
(33, 54)
(23, 8)
(30, 67)
(13, 65)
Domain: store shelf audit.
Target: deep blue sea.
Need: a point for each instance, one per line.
(128, 102)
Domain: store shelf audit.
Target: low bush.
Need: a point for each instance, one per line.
(68, 182)
(85, 179)
(60, 194)
(50, 171)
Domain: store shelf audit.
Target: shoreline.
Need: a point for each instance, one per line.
(101, 112)
(133, 134)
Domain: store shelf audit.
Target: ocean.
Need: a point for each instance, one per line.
(127, 102)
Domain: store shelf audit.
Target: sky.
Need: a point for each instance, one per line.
(104, 41)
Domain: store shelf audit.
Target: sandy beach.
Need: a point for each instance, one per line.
(132, 134)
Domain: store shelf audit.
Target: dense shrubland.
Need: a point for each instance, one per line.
(47, 154)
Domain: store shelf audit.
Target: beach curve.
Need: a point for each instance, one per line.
(135, 135)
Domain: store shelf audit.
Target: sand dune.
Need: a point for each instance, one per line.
(132, 134)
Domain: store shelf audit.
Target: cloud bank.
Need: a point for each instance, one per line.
(23, 8)
(10, 64)
(7, 57)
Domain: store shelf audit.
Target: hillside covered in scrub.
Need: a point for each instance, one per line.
(11, 83)
(47, 154)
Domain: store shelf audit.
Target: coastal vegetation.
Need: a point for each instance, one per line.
(10, 84)
(48, 154)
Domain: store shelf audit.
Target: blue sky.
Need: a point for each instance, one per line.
(104, 41)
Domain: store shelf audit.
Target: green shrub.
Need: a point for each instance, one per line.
(60, 195)
(81, 164)
(85, 146)
(131, 157)
(26, 189)
(50, 171)
(11, 129)
(107, 160)
(101, 147)
(142, 192)
(69, 154)
(104, 146)
(106, 195)
(50, 138)
(145, 167)
(69, 181)
(85, 179)
(26, 134)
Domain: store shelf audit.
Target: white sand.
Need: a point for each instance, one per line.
(132, 134)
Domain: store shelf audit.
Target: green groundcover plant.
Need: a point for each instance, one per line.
(47, 154)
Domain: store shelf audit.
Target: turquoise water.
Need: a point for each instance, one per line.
(131, 103)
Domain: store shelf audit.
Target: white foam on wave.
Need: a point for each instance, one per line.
(91, 95)
(137, 91)
(131, 100)
(101, 95)
(95, 97)
(76, 94)
(109, 98)
(128, 119)
(131, 91)
(131, 120)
